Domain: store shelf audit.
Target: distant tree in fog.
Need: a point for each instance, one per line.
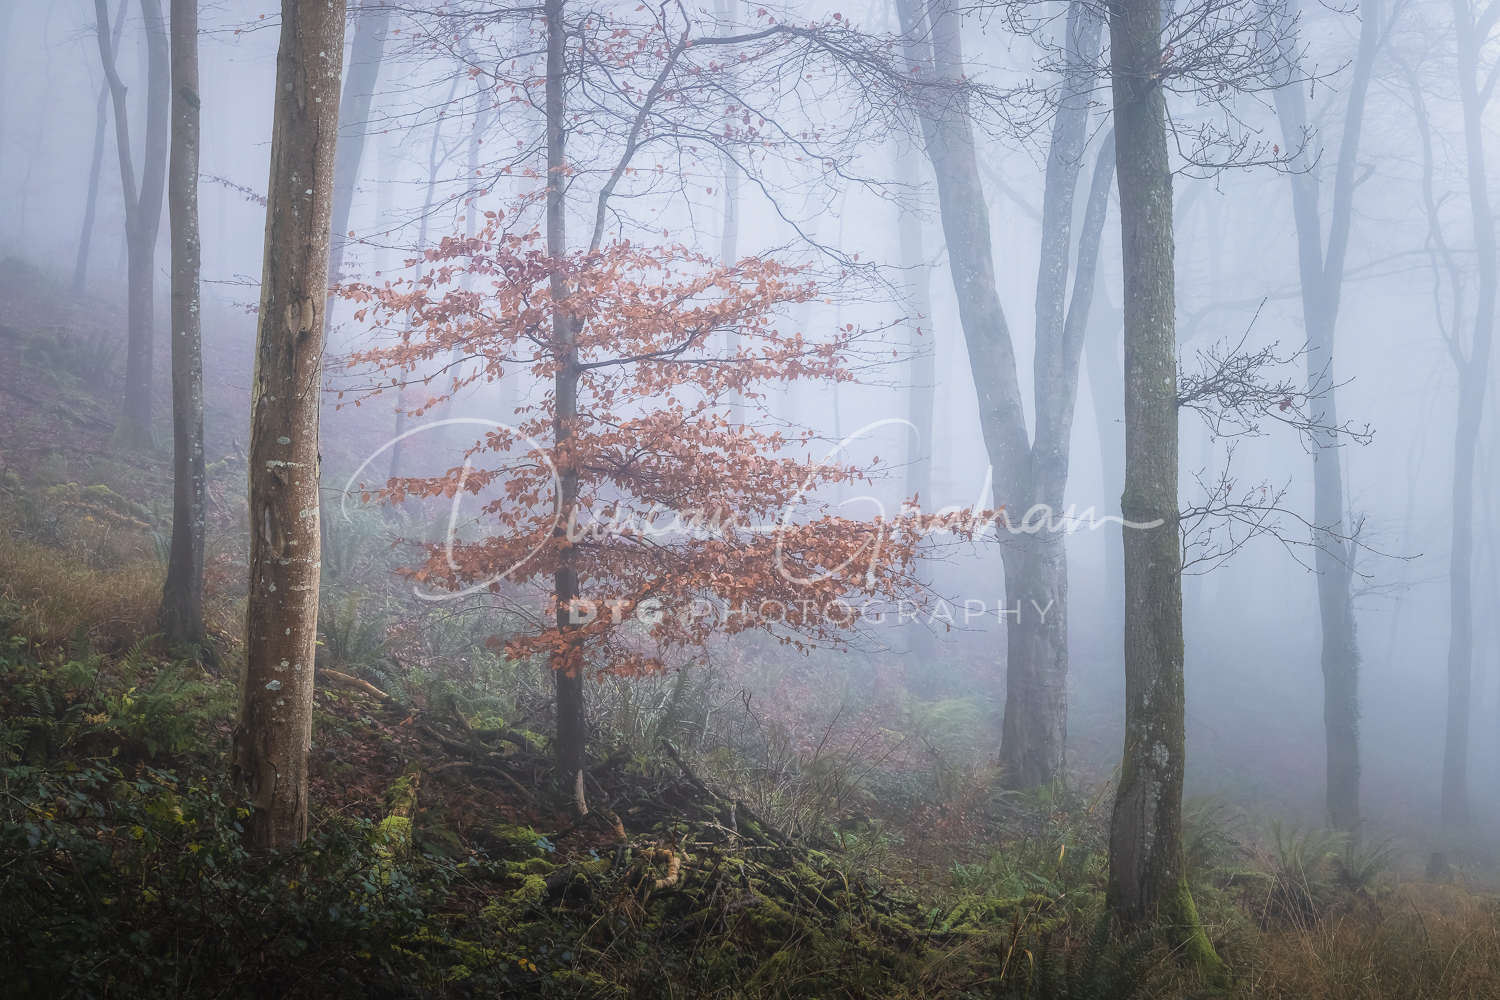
(1468, 332)
(143, 206)
(96, 166)
(371, 22)
(1321, 273)
(1026, 472)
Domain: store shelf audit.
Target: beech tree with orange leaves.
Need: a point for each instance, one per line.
(649, 519)
(645, 417)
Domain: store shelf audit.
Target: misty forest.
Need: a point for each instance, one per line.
(661, 500)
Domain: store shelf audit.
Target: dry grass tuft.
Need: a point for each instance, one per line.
(48, 596)
(1423, 941)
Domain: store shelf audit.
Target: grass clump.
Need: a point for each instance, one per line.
(1423, 942)
(49, 596)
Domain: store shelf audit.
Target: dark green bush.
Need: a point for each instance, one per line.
(117, 886)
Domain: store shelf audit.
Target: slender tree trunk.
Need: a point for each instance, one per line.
(1147, 879)
(91, 202)
(567, 666)
(432, 167)
(1473, 30)
(1492, 553)
(921, 388)
(1036, 574)
(130, 193)
(135, 426)
(1026, 475)
(949, 139)
(368, 50)
(921, 391)
(268, 761)
(7, 9)
(1322, 281)
(727, 12)
(1107, 390)
(182, 596)
(365, 57)
(446, 406)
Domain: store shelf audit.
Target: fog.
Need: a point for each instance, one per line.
(437, 154)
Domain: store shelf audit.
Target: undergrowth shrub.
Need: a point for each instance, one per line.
(75, 703)
(1084, 959)
(137, 887)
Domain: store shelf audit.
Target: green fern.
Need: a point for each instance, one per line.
(1358, 867)
(167, 715)
(66, 704)
(1095, 966)
(1303, 879)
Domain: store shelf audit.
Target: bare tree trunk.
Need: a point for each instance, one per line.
(400, 430)
(365, 57)
(135, 426)
(567, 668)
(921, 387)
(96, 167)
(268, 761)
(1026, 474)
(921, 390)
(1492, 552)
(432, 168)
(1147, 879)
(1473, 29)
(354, 119)
(727, 12)
(128, 188)
(1322, 280)
(182, 596)
(1036, 574)
(1107, 390)
(7, 9)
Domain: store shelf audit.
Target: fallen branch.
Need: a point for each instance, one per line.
(486, 769)
(509, 736)
(688, 772)
(355, 682)
(452, 746)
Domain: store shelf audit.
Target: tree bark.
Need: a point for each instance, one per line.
(182, 595)
(91, 202)
(567, 668)
(268, 762)
(1147, 877)
(1473, 30)
(1322, 279)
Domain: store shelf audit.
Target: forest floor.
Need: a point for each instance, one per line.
(712, 860)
